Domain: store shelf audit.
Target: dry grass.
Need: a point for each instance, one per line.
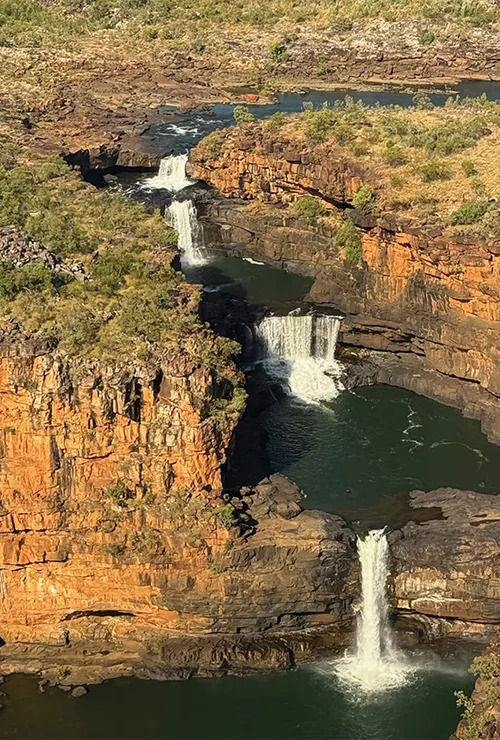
(371, 133)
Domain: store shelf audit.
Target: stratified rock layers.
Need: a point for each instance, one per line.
(113, 531)
(446, 572)
(418, 297)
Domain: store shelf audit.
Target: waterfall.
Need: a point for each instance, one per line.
(183, 217)
(299, 351)
(376, 665)
(171, 175)
(326, 335)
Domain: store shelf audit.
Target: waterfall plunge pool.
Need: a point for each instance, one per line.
(362, 452)
(308, 702)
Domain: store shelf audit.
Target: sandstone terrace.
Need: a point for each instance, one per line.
(113, 296)
(438, 167)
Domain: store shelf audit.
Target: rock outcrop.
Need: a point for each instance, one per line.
(445, 572)
(116, 542)
(431, 302)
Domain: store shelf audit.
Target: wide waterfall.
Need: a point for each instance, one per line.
(376, 665)
(183, 217)
(299, 351)
(171, 175)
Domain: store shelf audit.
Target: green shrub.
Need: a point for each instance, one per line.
(115, 549)
(119, 494)
(364, 198)
(422, 101)
(276, 121)
(468, 167)
(319, 125)
(433, 170)
(323, 68)
(348, 238)
(224, 516)
(111, 268)
(309, 208)
(242, 115)
(395, 156)
(448, 137)
(426, 37)
(34, 277)
(359, 149)
(469, 213)
(146, 542)
(278, 50)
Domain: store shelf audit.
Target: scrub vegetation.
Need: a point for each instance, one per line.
(479, 715)
(22, 20)
(439, 165)
(115, 296)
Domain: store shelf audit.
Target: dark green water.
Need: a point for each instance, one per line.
(360, 454)
(305, 703)
(250, 281)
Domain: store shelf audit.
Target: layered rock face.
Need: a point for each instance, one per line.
(114, 533)
(428, 302)
(445, 572)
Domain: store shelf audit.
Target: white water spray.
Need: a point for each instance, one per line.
(377, 665)
(299, 351)
(171, 175)
(183, 217)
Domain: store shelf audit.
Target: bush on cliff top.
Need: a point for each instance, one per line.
(469, 213)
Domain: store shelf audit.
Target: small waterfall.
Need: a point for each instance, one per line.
(183, 217)
(171, 175)
(289, 337)
(377, 665)
(325, 336)
(299, 351)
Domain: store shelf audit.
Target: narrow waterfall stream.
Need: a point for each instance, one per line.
(183, 217)
(299, 352)
(376, 665)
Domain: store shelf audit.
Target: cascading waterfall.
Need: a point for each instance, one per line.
(299, 351)
(171, 174)
(376, 665)
(183, 217)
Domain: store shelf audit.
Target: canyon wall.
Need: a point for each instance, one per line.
(120, 552)
(114, 531)
(425, 307)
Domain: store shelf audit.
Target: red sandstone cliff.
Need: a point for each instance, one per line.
(431, 301)
(115, 542)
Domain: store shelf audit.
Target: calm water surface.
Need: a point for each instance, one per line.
(360, 454)
(304, 703)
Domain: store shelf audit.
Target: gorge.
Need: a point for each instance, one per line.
(173, 509)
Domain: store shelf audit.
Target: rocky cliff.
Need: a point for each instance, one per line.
(445, 571)
(426, 305)
(116, 543)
